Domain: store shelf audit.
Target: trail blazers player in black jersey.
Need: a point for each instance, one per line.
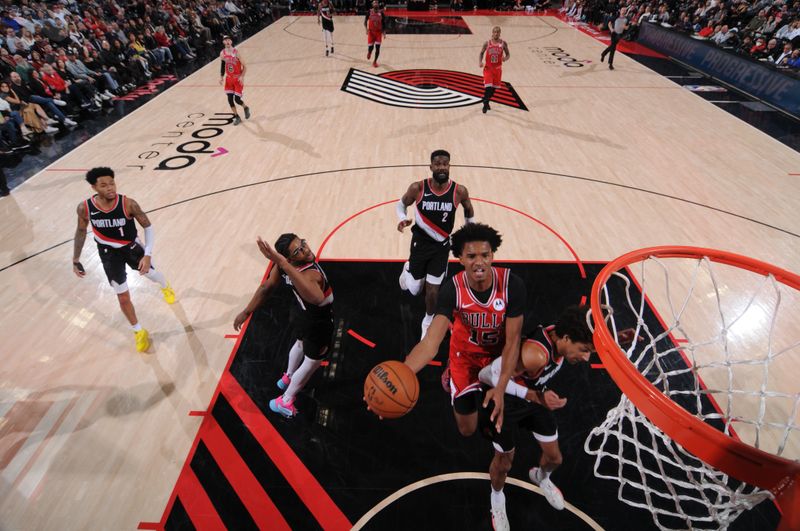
(435, 201)
(112, 216)
(296, 266)
(325, 17)
(542, 355)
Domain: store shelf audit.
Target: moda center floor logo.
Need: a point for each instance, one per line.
(555, 56)
(426, 89)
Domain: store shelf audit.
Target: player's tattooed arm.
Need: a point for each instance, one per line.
(80, 238)
(137, 213)
(482, 55)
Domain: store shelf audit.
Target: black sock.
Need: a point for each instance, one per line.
(377, 51)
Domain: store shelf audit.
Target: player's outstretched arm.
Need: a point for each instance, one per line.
(426, 350)
(402, 205)
(509, 360)
(80, 238)
(258, 298)
(307, 283)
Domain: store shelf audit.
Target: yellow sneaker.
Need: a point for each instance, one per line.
(169, 294)
(142, 340)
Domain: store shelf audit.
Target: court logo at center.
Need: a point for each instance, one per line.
(555, 56)
(426, 89)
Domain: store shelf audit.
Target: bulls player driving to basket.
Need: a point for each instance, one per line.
(232, 70)
(485, 306)
(493, 54)
(435, 201)
(112, 216)
(296, 266)
(374, 22)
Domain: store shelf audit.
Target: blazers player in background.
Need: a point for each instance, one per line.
(231, 71)
(484, 305)
(435, 200)
(375, 24)
(493, 54)
(325, 17)
(112, 218)
(296, 266)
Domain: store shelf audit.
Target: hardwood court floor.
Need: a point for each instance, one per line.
(94, 435)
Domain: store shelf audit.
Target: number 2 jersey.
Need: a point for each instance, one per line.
(435, 212)
(479, 318)
(113, 227)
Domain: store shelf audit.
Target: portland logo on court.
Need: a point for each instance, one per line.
(426, 89)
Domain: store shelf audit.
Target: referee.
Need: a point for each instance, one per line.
(617, 28)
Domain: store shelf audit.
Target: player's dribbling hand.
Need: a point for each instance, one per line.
(497, 414)
(78, 269)
(403, 224)
(144, 265)
(551, 400)
(239, 320)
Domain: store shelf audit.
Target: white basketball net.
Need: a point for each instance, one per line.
(724, 357)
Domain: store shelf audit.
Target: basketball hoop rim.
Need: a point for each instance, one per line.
(733, 457)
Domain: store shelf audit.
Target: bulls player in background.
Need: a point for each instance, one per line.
(296, 266)
(484, 305)
(493, 54)
(375, 24)
(436, 200)
(231, 70)
(112, 218)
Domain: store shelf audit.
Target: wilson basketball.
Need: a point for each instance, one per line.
(391, 389)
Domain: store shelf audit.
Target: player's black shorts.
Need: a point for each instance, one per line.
(316, 335)
(327, 24)
(518, 414)
(428, 258)
(114, 260)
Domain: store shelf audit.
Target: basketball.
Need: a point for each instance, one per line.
(391, 389)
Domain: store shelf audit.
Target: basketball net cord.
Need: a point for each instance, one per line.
(654, 472)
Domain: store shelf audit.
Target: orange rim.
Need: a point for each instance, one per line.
(731, 456)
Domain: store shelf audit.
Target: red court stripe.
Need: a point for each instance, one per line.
(197, 504)
(339, 226)
(197, 413)
(681, 340)
(149, 525)
(435, 363)
(583, 300)
(361, 338)
(241, 478)
(308, 489)
(231, 336)
(597, 366)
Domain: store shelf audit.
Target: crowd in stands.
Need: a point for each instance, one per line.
(766, 30)
(64, 62)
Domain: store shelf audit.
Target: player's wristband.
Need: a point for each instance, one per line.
(469, 220)
(400, 209)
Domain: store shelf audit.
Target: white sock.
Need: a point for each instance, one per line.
(295, 357)
(414, 285)
(157, 276)
(300, 379)
(136, 327)
(498, 499)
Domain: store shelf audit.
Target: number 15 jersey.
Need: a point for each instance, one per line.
(479, 318)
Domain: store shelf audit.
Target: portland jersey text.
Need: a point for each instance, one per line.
(113, 227)
(436, 212)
